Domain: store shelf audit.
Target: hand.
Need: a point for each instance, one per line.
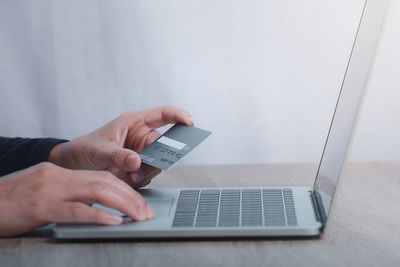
(114, 146)
(46, 193)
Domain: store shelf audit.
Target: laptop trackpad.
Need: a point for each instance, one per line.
(162, 207)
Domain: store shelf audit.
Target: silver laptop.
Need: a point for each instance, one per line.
(258, 212)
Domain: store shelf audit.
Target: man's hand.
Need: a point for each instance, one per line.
(114, 147)
(46, 193)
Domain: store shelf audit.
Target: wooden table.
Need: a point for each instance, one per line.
(363, 229)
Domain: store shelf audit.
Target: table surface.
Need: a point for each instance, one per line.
(362, 229)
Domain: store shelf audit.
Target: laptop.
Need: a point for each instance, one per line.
(255, 211)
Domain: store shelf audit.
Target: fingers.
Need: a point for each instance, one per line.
(121, 174)
(82, 213)
(144, 176)
(160, 116)
(104, 177)
(106, 189)
(137, 179)
(133, 205)
(122, 158)
(150, 175)
(151, 137)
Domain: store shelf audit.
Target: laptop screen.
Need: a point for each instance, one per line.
(347, 105)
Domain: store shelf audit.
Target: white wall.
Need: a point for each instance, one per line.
(262, 75)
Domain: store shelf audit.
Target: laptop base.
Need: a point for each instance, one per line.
(212, 213)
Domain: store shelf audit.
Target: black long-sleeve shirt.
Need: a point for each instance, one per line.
(20, 153)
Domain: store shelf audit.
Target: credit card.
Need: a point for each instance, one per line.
(173, 146)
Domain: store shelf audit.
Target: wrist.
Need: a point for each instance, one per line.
(55, 155)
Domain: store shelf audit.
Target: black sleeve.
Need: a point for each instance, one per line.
(20, 153)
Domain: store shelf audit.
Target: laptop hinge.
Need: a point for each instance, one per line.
(318, 207)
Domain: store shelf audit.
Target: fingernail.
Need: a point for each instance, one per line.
(131, 161)
(143, 212)
(114, 219)
(138, 176)
(150, 212)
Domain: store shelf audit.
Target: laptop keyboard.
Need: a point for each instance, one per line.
(235, 208)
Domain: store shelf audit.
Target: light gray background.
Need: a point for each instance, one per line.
(263, 75)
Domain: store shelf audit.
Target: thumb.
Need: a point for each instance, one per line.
(122, 158)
